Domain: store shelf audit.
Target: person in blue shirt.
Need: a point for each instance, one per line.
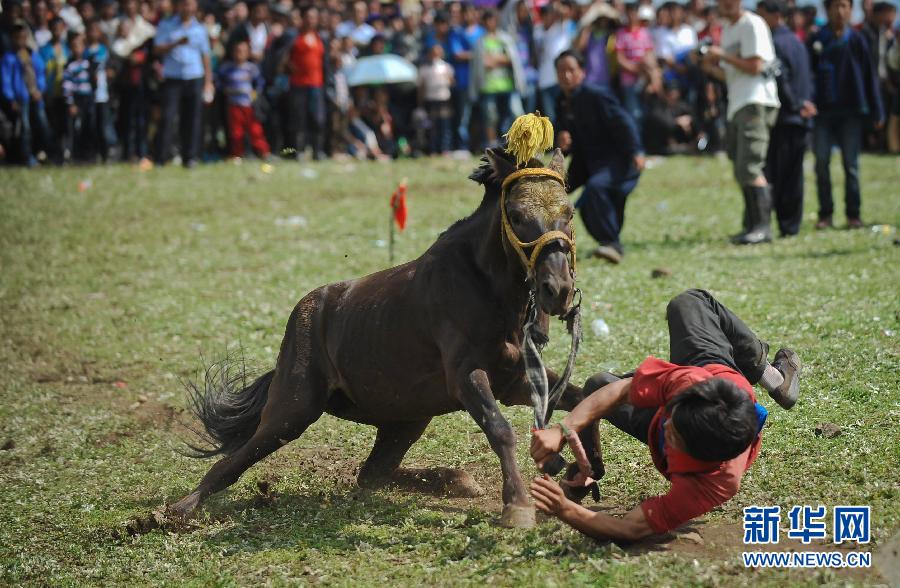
(607, 154)
(787, 144)
(846, 95)
(462, 44)
(22, 85)
(183, 45)
(55, 54)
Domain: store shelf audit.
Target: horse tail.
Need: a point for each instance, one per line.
(227, 406)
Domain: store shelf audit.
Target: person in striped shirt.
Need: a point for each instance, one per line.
(78, 90)
(239, 79)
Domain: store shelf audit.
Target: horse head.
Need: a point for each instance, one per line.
(537, 229)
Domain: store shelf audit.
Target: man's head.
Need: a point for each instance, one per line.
(884, 14)
(730, 9)
(713, 420)
(310, 18)
(57, 28)
(489, 20)
(241, 52)
(771, 11)
(259, 13)
(839, 12)
(569, 70)
(76, 44)
(187, 9)
(360, 12)
(19, 35)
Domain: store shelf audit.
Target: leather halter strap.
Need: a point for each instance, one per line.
(548, 237)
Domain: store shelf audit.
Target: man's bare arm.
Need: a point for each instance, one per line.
(549, 498)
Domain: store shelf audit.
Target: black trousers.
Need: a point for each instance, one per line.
(784, 172)
(702, 331)
(181, 100)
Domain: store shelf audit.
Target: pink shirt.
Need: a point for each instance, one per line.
(634, 45)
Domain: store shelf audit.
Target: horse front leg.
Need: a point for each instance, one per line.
(474, 391)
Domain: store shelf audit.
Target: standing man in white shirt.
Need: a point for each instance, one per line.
(746, 62)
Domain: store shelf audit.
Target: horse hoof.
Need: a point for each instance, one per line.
(517, 517)
(184, 508)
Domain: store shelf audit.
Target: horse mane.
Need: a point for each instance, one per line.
(485, 174)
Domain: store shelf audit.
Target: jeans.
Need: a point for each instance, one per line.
(182, 100)
(462, 116)
(602, 205)
(439, 116)
(307, 119)
(846, 132)
(499, 110)
(702, 331)
(631, 102)
(33, 124)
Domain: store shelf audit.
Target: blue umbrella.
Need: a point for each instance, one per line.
(381, 69)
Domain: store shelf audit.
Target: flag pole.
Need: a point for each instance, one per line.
(391, 235)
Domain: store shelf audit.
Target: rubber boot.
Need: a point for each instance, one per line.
(760, 200)
(745, 226)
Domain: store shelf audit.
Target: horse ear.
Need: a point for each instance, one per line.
(558, 162)
(501, 165)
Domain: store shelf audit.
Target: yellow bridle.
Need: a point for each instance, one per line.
(539, 243)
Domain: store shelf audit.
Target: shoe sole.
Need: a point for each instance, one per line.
(793, 391)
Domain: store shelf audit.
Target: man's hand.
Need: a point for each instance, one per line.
(36, 96)
(640, 162)
(73, 110)
(808, 110)
(713, 54)
(564, 140)
(548, 496)
(545, 443)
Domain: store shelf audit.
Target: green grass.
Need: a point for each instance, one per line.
(136, 277)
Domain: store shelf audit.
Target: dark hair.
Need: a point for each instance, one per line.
(772, 6)
(72, 36)
(570, 53)
(881, 6)
(828, 3)
(715, 418)
(55, 21)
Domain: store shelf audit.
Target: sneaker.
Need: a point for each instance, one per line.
(854, 223)
(824, 223)
(788, 363)
(608, 253)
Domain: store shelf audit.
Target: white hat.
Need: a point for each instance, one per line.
(646, 12)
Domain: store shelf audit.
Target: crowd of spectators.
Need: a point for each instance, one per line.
(120, 79)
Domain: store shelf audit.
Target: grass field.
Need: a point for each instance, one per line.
(111, 293)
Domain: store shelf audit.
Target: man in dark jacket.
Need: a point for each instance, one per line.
(607, 155)
(787, 144)
(846, 95)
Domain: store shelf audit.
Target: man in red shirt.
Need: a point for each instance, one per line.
(305, 63)
(697, 413)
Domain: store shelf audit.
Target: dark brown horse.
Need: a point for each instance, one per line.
(394, 349)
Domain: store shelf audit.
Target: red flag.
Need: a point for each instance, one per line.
(398, 204)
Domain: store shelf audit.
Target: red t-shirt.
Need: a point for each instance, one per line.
(697, 486)
(306, 56)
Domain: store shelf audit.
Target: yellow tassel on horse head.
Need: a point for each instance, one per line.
(529, 135)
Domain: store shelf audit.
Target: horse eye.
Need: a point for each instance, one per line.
(516, 217)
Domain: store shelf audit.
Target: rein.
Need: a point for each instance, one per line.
(534, 340)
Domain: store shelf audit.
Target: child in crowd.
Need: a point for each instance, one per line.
(78, 89)
(239, 80)
(435, 81)
(846, 95)
(55, 54)
(22, 84)
(98, 56)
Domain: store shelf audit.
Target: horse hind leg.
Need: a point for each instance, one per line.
(382, 467)
(285, 417)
